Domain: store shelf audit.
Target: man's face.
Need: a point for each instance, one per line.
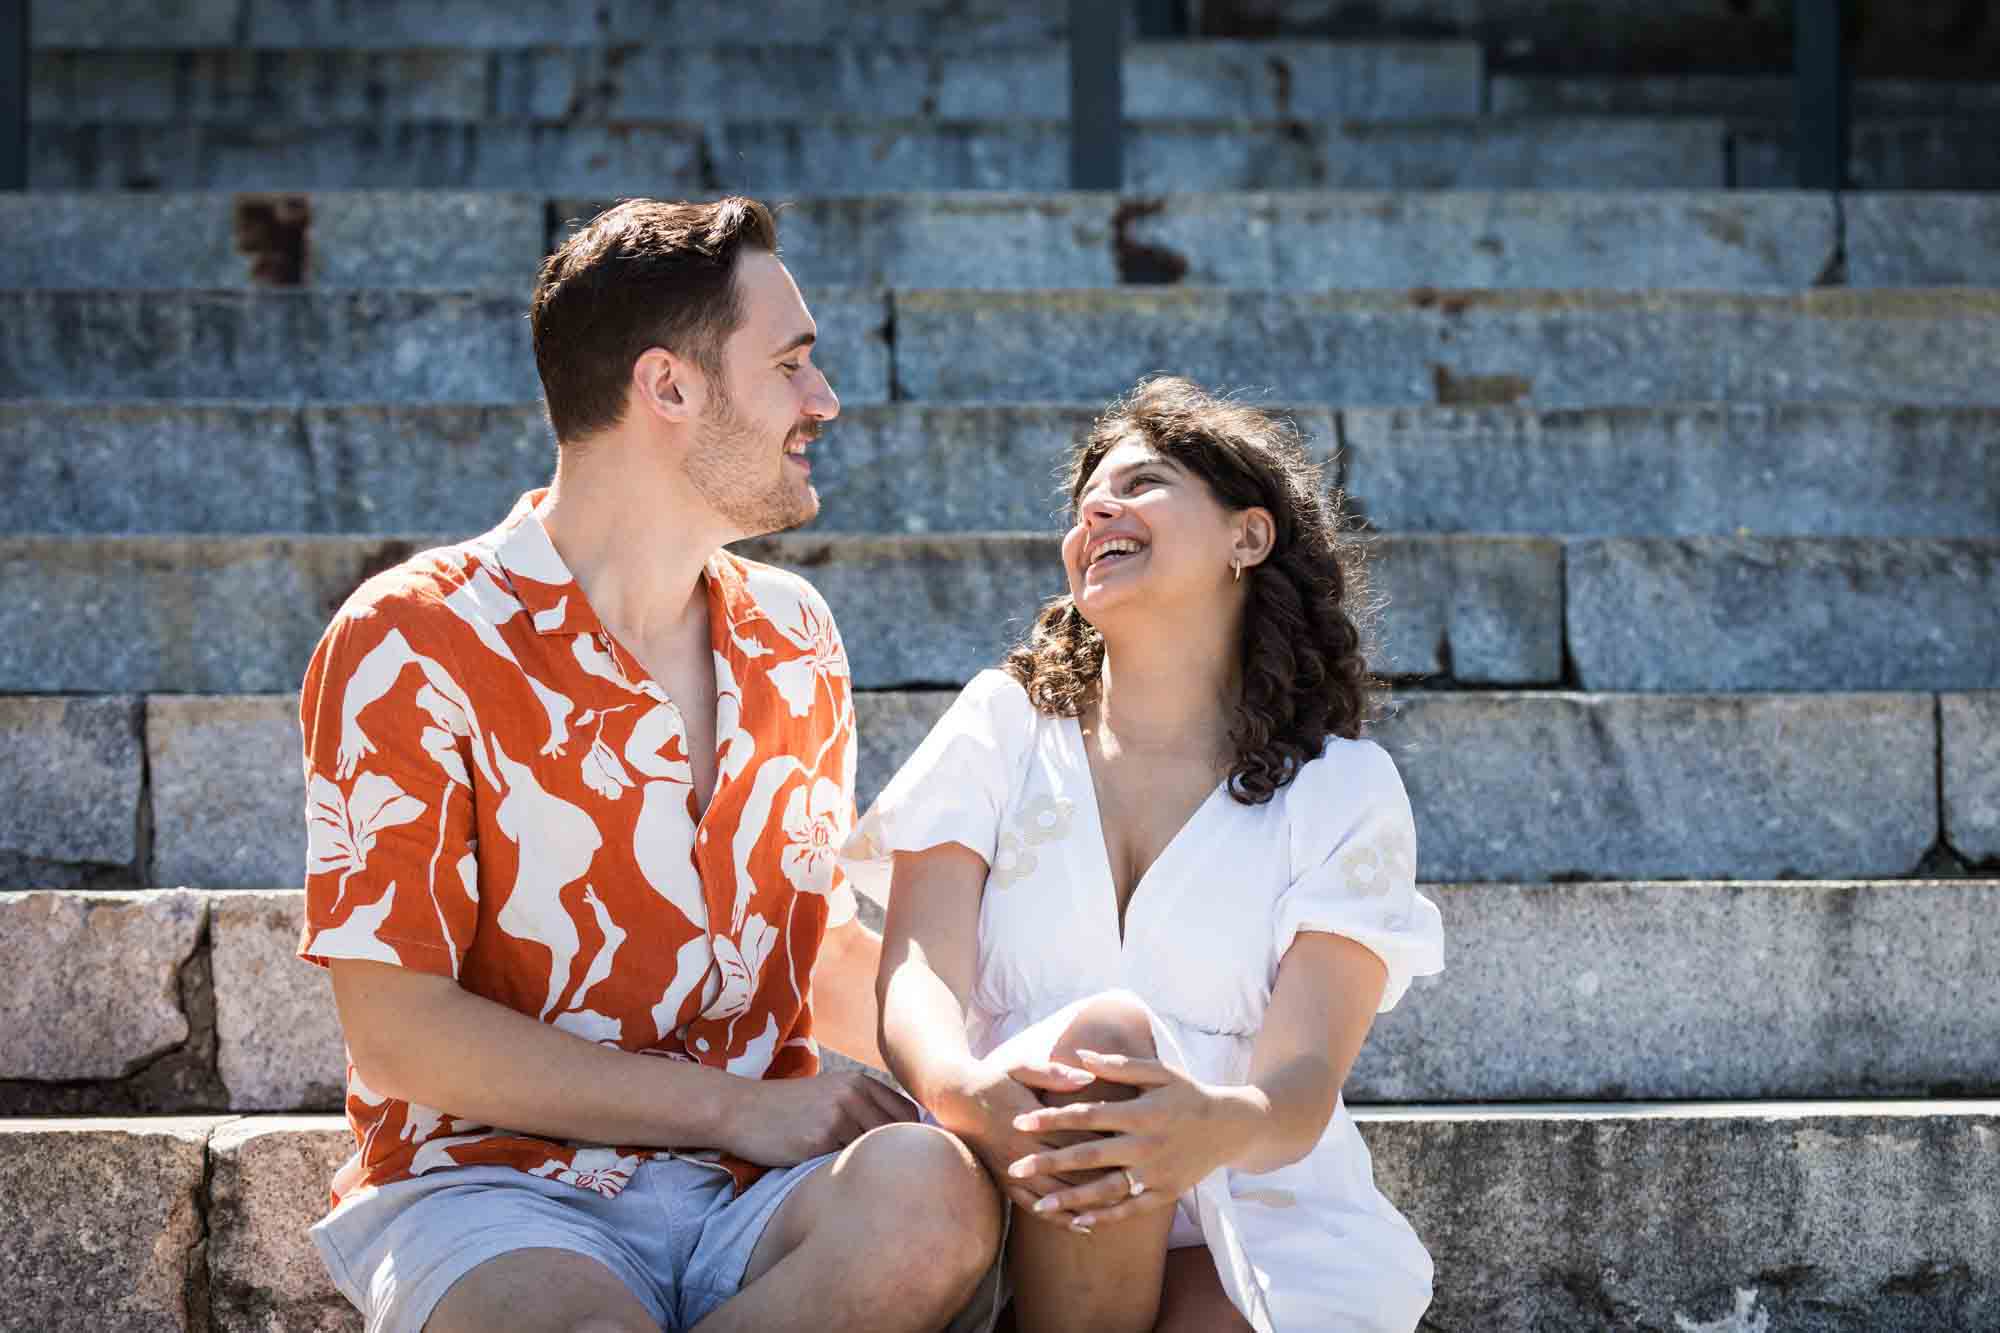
(764, 407)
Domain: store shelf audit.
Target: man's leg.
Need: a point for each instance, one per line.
(1108, 1281)
(893, 1236)
(541, 1291)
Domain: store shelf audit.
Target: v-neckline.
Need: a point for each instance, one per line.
(1121, 922)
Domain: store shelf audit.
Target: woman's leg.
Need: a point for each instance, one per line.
(1109, 1281)
(1192, 1299)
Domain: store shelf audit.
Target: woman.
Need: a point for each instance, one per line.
(1150, 889)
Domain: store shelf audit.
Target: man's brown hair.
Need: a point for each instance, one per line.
(642, 274)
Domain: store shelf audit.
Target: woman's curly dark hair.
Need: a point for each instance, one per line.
(1304, 675)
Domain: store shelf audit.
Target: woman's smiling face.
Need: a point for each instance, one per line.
(1147, 532)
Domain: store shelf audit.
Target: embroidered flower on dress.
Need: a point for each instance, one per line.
(1012, 862)
(1375, 867)
(1044, 819)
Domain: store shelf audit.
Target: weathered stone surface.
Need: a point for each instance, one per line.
(1477, 610)
(1609, 992)
(967, 239)
(1472, 154)
(1575, 786)
(1746, 99)
(1464, 347)
(156, 86)
(118, 240)
(1819, 1216)
(1850, 470)
(420, 242)
(890, 726)
(472, 23)
(1774, 613)
(1360, 81)
(1606, 239)
(845, 156)
(92, 980)
(373, 346)
(195, 615)
(219, 766)
(409, 155)
(1922, 240)
(103, 1223)
(239, 467)
(70, 772)
(1971, 724)
(269, 1185)
(161, 23)
(278, 1042)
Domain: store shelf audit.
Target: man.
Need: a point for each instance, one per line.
(574, 789)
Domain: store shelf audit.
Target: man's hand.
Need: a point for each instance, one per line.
(785, 1121)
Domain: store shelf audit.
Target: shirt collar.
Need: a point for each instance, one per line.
(554, 600)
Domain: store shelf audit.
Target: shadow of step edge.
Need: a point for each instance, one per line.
(1873, 1208)
(105, 1223)
(1505, 786)
(380, 346)
(1907, 153)
(476, 25)
(854, 154)
(1746, 100)
(1304, 240)
(1548, 349)
(770, 81)
(218, 615)
(1798, 469)
(1805, 1003)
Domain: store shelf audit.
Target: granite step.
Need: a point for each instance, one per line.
(230, 614)
(1297, 241)
(1551, 349)
(844, 155)
(126, 792)
(1572, 991)
(771, 80)
(1390, 348)
(392, 24)
(1682, 470)
(1549, 1217)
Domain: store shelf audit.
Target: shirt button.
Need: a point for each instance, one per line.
(704, 837)
(701, 1044)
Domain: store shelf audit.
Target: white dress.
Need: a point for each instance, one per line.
(1312, 1245)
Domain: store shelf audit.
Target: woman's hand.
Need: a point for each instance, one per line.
(1168, 1138)
(984, 1109)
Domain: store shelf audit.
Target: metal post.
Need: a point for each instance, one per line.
(13, 94)
(1820, 78)
(1096, 95)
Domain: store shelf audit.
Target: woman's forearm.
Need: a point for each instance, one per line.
(923, 1032)
(1280, 1116)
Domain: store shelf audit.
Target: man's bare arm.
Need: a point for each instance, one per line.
(423, 1038)
(845, 1013)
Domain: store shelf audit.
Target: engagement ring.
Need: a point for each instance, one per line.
(1134, 1187)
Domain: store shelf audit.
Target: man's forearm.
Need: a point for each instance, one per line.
(424, 1039)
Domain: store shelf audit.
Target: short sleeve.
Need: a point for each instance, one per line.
(1354, 864)
(841, 907)
(391, 875)
(954, 788)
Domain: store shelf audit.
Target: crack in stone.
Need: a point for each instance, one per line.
(183, 1079)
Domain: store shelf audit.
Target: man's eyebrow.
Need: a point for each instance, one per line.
(806, 339)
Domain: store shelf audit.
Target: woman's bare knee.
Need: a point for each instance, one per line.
(1116, 1022)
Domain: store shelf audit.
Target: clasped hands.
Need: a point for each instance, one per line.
(1078, 1165)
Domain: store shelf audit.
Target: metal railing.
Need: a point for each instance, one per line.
(1820, 78)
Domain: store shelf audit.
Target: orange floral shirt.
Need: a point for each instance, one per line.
(496, 791)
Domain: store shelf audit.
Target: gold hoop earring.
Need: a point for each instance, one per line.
(1236, 567)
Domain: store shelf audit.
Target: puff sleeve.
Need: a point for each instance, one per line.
(1354, 864)
(954, 788)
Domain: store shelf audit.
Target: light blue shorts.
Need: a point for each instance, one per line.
(677, 1235)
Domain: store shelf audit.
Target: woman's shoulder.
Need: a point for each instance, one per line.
(1345, 772)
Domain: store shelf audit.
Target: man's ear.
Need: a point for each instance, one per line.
(668, 387)
(1256, 534)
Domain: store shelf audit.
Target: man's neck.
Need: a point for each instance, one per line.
(634, 537)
